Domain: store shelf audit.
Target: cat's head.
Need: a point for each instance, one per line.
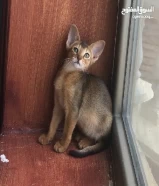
(80, 55)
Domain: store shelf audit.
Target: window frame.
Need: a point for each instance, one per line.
(127, 164)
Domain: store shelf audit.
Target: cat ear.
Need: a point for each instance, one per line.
(97, 49)
(73, 36)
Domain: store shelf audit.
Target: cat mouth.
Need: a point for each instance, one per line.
(77, 62)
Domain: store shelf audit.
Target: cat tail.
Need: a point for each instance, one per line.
(90, 150)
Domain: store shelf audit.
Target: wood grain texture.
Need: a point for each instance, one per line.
(37, 35)
(31, 164)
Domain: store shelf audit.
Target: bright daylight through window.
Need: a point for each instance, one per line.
(145, 115)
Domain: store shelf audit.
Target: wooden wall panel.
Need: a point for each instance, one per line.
(36, 47)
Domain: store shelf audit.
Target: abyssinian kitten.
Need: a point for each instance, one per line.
(82, 98)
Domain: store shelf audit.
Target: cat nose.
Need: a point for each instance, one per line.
(79, 58)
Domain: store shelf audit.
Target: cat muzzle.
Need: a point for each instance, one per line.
(77, 62)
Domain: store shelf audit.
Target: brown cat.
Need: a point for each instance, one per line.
(82, 98)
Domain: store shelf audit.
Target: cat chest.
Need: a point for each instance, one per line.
(59, 83)
(62, 88)
(65, 87)
(59, 88)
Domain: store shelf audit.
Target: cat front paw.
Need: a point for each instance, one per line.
(59, 148)
(44, 140)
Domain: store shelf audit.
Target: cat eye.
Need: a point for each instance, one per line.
(75, 49)
(86, 55)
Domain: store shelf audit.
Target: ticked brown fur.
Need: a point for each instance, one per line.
(81, 98)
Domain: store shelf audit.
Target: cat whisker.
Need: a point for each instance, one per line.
(68, 62)
(66, 59)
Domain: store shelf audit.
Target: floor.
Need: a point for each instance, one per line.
(31, 164)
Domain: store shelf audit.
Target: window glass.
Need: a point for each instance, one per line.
(145, 102)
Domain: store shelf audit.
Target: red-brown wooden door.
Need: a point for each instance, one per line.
(37, 32)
